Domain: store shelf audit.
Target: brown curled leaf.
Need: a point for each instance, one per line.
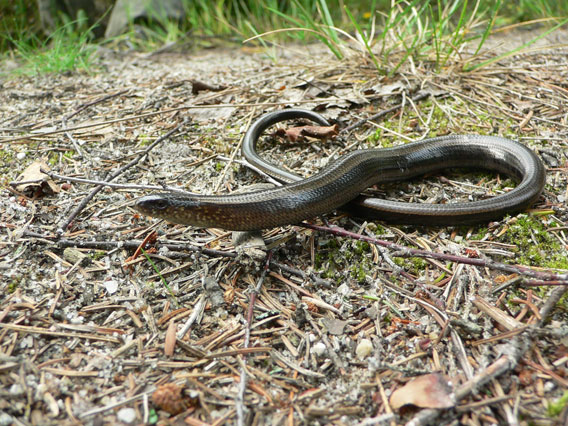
(427, 391)
(199, 86)
(317, 132)
(35, 181)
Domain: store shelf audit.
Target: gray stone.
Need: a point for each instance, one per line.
(126, 415)
(126, 11)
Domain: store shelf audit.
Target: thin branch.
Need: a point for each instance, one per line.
(233, 154)
(101, 183)
(95, 191)
(382, 113)
(96, 101)
(151, 114)
(402, 251)
(77, 111)
(240, 398)
(66, 178)
(172, 247)
(512, 354)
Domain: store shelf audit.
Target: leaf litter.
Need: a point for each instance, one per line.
(322, 329)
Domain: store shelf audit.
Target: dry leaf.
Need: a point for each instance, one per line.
(350, 95)
(207, 115)
(38, 182)
(428, 391)
(318, 132)
(95, 129)
(199, 86)
(389, 89)
(170, 343)
(334, 326)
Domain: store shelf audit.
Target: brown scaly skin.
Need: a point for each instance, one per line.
(339, 184)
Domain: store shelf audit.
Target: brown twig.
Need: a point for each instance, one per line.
(82, 108)
(402, 251)
(99, 182)
(96, 101)
(66, 178)
(233, 154)
(39, 330)
(148, 239)
(117, 173)
(512, 354)
(240, 397)
(382, 113)
(151, 114)
(77, 111)
(173, 247)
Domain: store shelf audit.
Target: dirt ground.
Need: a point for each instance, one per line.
(446, 325)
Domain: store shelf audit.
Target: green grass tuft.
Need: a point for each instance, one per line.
(390, 33)
(67, 48)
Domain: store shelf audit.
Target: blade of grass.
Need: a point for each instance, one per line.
(489, 26)
(409, 51)
(397, 17)
(372, 16)
(363, 37)
(413, 29)
(281, 30)
(318, 34)
(164, 282)
(64, 49)
(518, 49)
(457, 39)
(436, 38)
(268, 51)
(309, 22)
(327, 20)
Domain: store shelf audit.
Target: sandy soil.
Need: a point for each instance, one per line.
(197, 330)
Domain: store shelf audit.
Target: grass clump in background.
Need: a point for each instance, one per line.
(388, 33)
(68, 47)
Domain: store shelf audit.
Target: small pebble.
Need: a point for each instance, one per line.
(364, 349)
(6, 419)
(111, 286)
(318, 349)
(126, 415)
(21, 155)
(16, 389)
(344, 290)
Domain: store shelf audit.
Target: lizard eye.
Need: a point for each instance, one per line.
(160, 204)
(151, 203)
